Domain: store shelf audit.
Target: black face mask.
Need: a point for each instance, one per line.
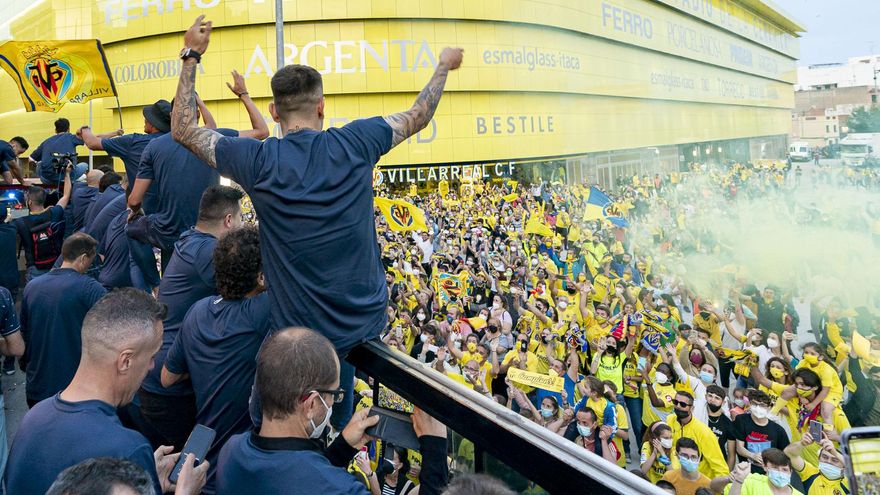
(681, 414)
(704, 315)
(713, 408)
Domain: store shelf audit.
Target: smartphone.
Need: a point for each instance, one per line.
(861, 453)
(197, 444)
(433, 348)
(394, 427)
(523, 346)
(816, 431)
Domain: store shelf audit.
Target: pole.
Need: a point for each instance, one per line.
(279, 34)
(119, 109)
(91, 153)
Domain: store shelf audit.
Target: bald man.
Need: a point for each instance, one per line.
(81, 199)
(120, 335)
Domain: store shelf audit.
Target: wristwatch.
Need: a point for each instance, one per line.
(190, 53)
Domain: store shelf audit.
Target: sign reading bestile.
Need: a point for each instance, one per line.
(50, 74)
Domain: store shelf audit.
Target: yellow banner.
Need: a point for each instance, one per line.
(50, 74)
(547, 382)
(401, 216)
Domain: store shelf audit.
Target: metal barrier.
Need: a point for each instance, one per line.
(551, 461)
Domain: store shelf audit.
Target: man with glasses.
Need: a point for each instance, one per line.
(298, 386)
(755, 432)
(219, 338)
(688, 479)
(685, 425)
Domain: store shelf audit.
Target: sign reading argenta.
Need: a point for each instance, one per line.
(419, 175)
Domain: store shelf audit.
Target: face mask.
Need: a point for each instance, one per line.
(805, 393)
(421, 317)
(811, 360)
(739, 402)
(777, 373)
(449, 319)
(496, 306)
(688, 465)
(642, 362)
(779, 479)
(547, 413)
(759, 412)
(713, 407)
(660, 377)
(707, 377)
(471, 347)
(772, 344)
(681, 414)
(562, 304)
(584, 431)
(830, 471)
(549, 313)
(319, 429)
(704, 315)
(423, 338)
(696, 359)
(666, 443)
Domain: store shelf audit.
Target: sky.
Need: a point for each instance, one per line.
(836, 29)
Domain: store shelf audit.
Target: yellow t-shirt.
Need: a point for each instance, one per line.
(657, 470)
(820, 485)
(650, 413)
(611, 369)
(713, 463)
(622, 424)
(630, 370)
(757, 484)
(828, 376)
(539, 350)
(811, 453)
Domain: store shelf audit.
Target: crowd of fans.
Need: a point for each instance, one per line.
(744, 392)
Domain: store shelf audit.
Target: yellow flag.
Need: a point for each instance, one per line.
(401, 215)
(547, 382)
(443, 188)
(510, 198)
(536, 225)
(51, 73)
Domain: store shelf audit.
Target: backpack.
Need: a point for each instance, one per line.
(46, 243)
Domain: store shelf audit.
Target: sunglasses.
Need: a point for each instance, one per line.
(681, 403)
(337, 394)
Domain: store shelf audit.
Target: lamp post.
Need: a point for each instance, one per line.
(279, 36)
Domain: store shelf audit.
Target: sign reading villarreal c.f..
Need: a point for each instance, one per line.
(401, 215)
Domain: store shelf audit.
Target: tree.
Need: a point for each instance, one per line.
(864, 119)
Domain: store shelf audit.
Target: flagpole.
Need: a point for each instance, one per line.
(91, 153)
(119, 109)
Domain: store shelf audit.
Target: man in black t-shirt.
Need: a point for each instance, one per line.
(45, 226)
(755, 433)
(9, 276)
(720, 424)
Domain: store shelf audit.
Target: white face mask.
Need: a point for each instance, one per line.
(496, 306)
(772, 344)
(666, 443)
(759, 412)
(319, 429)
(660, 377)
(420, 317)
(562, 304)
(424, 338)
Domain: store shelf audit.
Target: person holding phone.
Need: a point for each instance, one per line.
(298, 385)
(120, 335)
(826, 478)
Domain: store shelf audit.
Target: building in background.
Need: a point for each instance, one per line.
(556, 89)
(857, 71)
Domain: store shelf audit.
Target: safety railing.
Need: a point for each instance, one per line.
(549, 460)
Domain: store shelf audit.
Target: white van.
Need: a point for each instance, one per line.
(800, 151)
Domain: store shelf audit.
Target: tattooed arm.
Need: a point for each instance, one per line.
(185, 117)
(406, 124)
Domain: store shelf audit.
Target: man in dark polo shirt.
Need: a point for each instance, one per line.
(117, 266)
(45, 226)
(120, 334)
(188, 278)
(110, 186)
(52, 312)
(218, 341)
(81, 198)
(62, 143)
(298, 382)
(164, 163)
(102, 220)
(9, 153)
(325, 273)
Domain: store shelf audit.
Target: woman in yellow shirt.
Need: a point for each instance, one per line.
(656, 456)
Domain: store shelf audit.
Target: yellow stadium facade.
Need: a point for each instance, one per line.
(564, 89)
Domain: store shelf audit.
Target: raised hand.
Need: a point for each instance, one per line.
(198, 35)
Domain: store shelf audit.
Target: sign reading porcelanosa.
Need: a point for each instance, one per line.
(500, 57)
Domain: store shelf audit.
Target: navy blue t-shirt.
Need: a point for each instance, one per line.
(80, 199)
(6, 154)
(102, 220)
(9, 276)
(217, 346)
(116, 271)
(52, 312)
(8, 318)
(129, 149)
(180, 179)
(188, 277)
(64, 142)
(57, 434)
(243, 467)
(100, 201)
(313, 194)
